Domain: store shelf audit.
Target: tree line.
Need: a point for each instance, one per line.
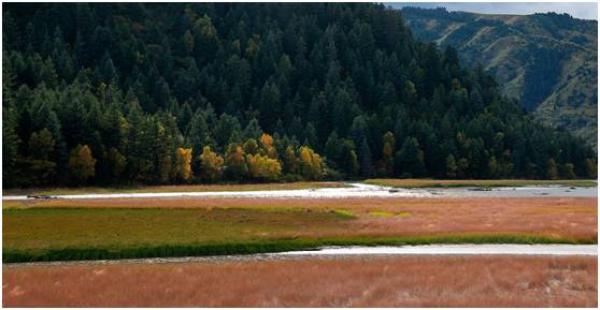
(110, 93)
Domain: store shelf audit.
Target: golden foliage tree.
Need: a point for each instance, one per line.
(311, 164)
(183, 164)
(263, 167)
(211, 165)
(82, 163)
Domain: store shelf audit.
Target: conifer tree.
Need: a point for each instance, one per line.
(389, 144)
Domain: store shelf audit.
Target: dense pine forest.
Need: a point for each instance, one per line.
(113, 94)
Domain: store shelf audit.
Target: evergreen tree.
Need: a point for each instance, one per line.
(410, 160)
(552, 170)
(41, 145)
(366, 162)
(117, 163)
(451, 167)
(389, 144)
(10, 146)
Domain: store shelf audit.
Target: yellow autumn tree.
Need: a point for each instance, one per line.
(82, 164)
(311, 164)
(263, 168)
(211, 164)
(305, 158)
(183, 164)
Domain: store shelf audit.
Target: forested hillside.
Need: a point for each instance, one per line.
(112, 93)
(547, 61)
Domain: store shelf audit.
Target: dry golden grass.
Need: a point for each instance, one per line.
(426, 281)
(552, 217)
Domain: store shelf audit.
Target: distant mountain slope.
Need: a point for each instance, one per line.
(547, 61)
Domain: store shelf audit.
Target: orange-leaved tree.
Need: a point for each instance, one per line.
(82, 163)
(268, 149)
(183, 164)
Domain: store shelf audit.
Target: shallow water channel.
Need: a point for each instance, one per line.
(455, 249)
(531, 191)
(354, 251)
(356, 190)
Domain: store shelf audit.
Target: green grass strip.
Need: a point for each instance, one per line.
(69, 254)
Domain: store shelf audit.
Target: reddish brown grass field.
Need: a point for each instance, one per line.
(449, 281)
(553, 217)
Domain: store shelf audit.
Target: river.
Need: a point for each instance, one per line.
(355, 190)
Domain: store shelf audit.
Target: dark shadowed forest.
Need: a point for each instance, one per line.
(112, 94)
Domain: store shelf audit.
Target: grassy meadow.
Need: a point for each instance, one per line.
(134, 228)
